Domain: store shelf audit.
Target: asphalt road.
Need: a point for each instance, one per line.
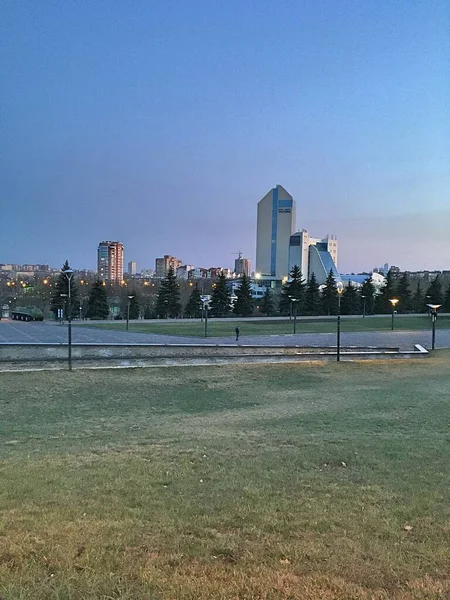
(35, 332)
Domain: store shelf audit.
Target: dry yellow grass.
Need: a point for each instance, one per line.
(280, 482)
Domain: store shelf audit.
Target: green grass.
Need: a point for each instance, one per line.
(268, 327)
(235, 482)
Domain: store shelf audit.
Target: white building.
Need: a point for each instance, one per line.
(276, 223)
(314, 255)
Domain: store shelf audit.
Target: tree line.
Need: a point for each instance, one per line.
(305, 297)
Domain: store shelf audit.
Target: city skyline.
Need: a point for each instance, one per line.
(163, 128)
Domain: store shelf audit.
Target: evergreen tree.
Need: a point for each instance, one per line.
(418, 300)
(148, 311)
(382, 304)
(312, 296)
(329, 295)
(98, 302)
(194, 305)
(168, 301)
(267, 303)
(220, 305)
(350, 300)
(404, 293)
(434, 292)
(134, 307)
(368, 291)
(62, 301)
(446, 302)
(294, 288)
(244, 305)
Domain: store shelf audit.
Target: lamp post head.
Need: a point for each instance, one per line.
(69, 271)
(393, 301)
(434, 306)
(339, 287)
(130, 297)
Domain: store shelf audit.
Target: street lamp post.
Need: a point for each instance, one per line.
(364, 306)
(394, 302)
(433, 308)
(294, 311)
(128, 309)
(69, 275)
(339, 289)
(205, 301)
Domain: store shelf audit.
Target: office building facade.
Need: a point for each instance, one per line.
(110, 261)
(276, 223)
(314, 255)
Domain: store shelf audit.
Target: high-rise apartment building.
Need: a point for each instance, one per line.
(132, 267)
(242, 266)
(162, 265)
(276, 224)
(110, 261)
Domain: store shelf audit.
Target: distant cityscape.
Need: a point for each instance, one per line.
(280, 246)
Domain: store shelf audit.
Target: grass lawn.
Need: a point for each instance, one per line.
(293, 482)
(268, 327)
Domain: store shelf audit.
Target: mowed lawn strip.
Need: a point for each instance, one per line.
(186, 327)
(303, 481)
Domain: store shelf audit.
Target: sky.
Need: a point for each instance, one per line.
(161, 124)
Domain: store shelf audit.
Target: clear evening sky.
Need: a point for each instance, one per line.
(162, 123)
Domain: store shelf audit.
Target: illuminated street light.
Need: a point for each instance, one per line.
(394, 302)
(433, 308)
(339, 289)
(205, 302)
(69, 275)
(128, 309)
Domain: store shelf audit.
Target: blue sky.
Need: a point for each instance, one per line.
(161, 124)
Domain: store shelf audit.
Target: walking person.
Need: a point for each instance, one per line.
(238, 331)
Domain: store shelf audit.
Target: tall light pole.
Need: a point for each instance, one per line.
(394, 302)
(339, 289)
(128, 309)
(294, 311)
(364, 306)
(69, 275)
(433, 308)
(205, 301)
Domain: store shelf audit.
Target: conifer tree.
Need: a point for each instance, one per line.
(312, 296)
(446, 302)
(293, 288)
(434, 291)
(267, 303)
(350, 300)
(367, 295)
(194, 305)
(403, 293)
(220, 305)
(168, 301)
(418, 300)
(244, 304)
(382, 304)
(329, 295)
(62, 301)
(98, 302)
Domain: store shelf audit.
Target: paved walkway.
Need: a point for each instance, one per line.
(21, 332)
